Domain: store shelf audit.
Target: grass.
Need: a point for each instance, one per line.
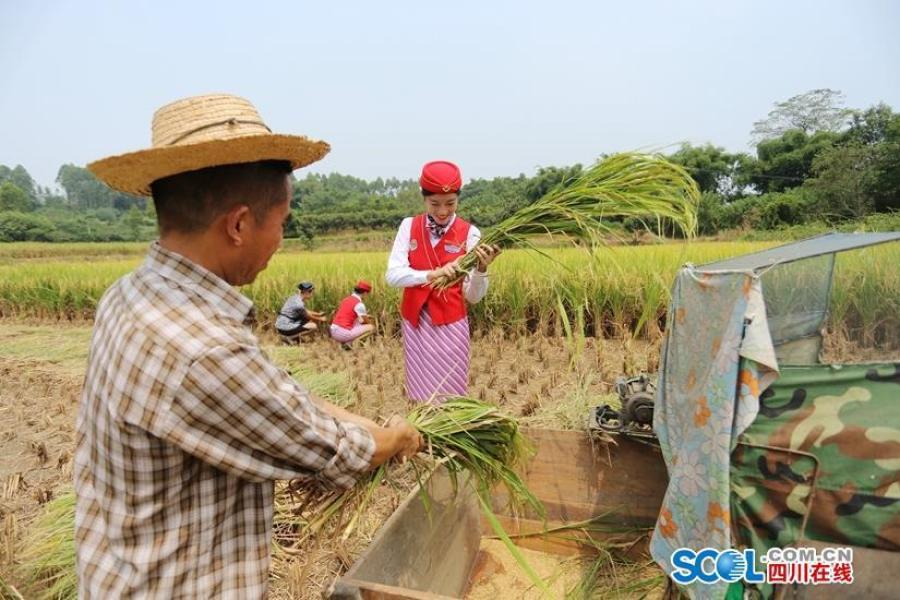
(47, 553)
(64, 347)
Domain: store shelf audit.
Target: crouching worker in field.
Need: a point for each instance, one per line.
(351, 320)
(184, 423)
(294, 319)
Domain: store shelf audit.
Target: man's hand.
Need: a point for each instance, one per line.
(410, 441)
(486, 254)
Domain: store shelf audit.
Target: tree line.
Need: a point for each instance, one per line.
(814, 160)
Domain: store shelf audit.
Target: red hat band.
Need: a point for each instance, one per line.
(363, 285)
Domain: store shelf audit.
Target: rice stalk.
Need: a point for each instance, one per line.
(623, 186)
(465, 436)
(47, 555)
(8, 592)
(475, 437)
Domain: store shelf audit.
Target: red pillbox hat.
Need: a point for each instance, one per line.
(440, 177)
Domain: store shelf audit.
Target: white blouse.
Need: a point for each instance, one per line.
(400, 274)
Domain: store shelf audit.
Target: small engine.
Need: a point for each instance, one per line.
(636, 415)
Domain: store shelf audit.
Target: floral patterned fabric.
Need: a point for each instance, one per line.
(717, 358)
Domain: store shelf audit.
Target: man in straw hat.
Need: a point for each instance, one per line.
(184, 423)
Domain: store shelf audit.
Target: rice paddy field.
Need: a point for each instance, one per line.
(548, 342)
(619, 290)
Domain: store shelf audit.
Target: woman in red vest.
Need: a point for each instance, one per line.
(351, 321)
(435, 324)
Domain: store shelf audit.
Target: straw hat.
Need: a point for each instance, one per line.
(199, 132)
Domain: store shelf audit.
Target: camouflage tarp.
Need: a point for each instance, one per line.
(848, 418)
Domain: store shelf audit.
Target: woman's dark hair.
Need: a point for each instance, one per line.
(190, 202)
(427, 193)
(360, 290)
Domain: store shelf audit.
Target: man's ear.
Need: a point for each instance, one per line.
(237, 220)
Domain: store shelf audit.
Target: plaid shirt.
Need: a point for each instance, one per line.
(184, 424)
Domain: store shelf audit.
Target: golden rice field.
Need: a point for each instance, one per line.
(619, 290)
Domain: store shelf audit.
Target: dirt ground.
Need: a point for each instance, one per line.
(549, 382)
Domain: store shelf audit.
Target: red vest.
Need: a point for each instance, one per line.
(444, 307)
(345, 316)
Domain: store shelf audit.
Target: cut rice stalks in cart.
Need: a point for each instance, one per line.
(468, 437)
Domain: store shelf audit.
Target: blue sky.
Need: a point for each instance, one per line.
(499, 87)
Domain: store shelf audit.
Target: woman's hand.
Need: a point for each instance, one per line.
(486, 254)
(448, 271)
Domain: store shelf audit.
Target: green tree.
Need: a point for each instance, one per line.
(786, 162)
(709, 213)
(870, 126)
(12, 197)
(87, 192)
(714, 169)
(844, 178)
(878, 127)
(886, 189)
(811, 112)
(83, 190)
(22, 179)
(21, 227)
(486, 202)
(51, 200)
(336, 201)
(133, 220)
(548, 178)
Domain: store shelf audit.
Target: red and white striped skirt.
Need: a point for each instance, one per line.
(437, 359)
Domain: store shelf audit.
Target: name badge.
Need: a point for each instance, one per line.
(452, 249)
(413, 244)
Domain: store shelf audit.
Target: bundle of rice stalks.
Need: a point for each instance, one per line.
(475, 437)
(466, 436)
(47, 556)
(645, 187)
